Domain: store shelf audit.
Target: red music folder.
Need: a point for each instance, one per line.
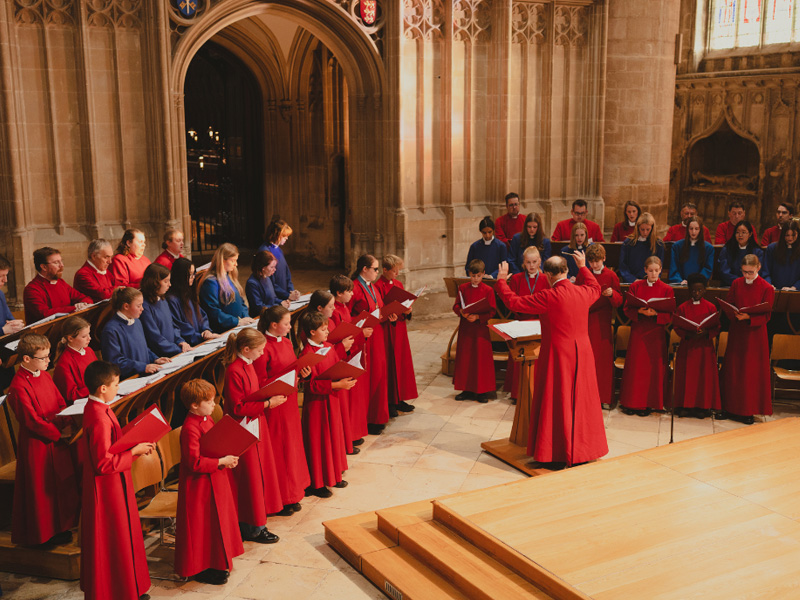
(284, 385)
(397, 294)
(344, 369)
(343, 330)
(227, 438)
(731, 310)
(662, 305)
(394, 308)
(148, 427)
(710, 322)
(367, 319)
(310, 359)
(476, 307)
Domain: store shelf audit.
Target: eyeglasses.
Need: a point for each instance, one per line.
(374, 269)
(44, 358)
(580, 213)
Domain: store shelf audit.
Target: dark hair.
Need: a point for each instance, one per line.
(4, 264)
(276, 229)
(41, 255)
(261, 260)
(153, 275)
(311, 321)
(364, 261)
(538, 238)
(99, 373)
(687, 245)
(788, 206)
(271, 315)
(340, 284)
(634, 205)
(579, 202)
(168, 235)
(319, 298)
(511, 195)
(476, 265)
(180, 288)
(486, 222)
(122, 296)
(122, 247)
(691, 205)
(782, 249)
(696, 278)
(732, 246)
(735, 204)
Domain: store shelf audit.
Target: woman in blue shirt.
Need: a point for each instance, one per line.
(220, 291)
(188, 317)
(783, 258)
(742, 243)
(162, 336)
(277, 233)
(259, 289)
(532, 234)
(488, 249)
(691, 255)
(577, 241)
(638, 247)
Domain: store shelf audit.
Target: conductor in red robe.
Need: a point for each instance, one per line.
(94, 279)
(566, 419)
(47, 293)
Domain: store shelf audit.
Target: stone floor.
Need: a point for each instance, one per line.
(431, 452)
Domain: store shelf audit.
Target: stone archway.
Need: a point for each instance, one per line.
(368, 181)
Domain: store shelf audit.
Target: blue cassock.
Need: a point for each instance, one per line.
(515, 254)
(190, 330)
(282, 277)
(680, 272)
(731, 268)
(631, 260)
(260, 294)
(491, 255)
(782, 275)
(161, 333)
(125, 346)
(5, 312)
(222, 317)
(567, 253)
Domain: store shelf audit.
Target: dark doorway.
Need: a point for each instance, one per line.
(224, 144)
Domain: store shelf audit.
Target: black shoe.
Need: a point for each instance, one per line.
(550, 466)
(405, 407)
(513, 401)
(699, 413)
(296, 507)
(358, 442)
(341, 484)
(375, 428)
(144, 597)
(59, 539)
(356, 450)
(286, 512)
(322, 492)
(721, 415)
(464, 396)
(212, 577)
(644, 412)
(392, 411)
(265, 537)
(627, 411)
(483, 398)
(748, 420)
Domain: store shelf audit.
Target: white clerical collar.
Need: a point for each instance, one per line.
(742, 247)
(532, 275)
(695, 301)
(692, 242)
(315, 344)
(50, 281)
(125, 318)
(631, 223)
(789, 246)
(489, 243)
(247, 361)
(751, 281)
(272, 335)
(96, 399)
(642, 239)
(35, 373)
(82, 351)
(473, 285)
(598, 271)
(647, 281)
(94, 266)
(175, 256)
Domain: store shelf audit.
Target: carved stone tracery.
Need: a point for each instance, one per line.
(471, 20)
(124, 14)
(423, 19)
(571, 25)
(529, 23)
(48, 12)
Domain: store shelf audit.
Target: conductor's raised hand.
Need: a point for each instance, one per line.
(502, 271)
(580, 258)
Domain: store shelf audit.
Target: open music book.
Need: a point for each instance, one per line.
(300, 302)
(518, 329)
(368, 319)
(710, 322)
(731, 310)
(663, 305)
(229, 437)
(148, 427)
(475, 307)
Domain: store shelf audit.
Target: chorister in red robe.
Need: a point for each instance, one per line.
(522, 284)
(46, 500)
(93, 283)
(696, 371)
(322, 424)
(207, 531)
(127, 270)
(400, 366)
(357, 396)
(68, 374)
(344, 395)
(256, 489)
(601, 333)
(474, 370)
(43, 298)
(745, 387)
(365, 298)
(644, 377)
(113, 561)
(566, 418)
(167, 259)
(285, 430)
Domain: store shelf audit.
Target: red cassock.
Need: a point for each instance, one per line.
(366, 299)
(474, 360)
(207, 532)
(678, 232)
(522, 285)
(165, 259)
(68, 374)
(256, 486)
(322, 425)
(601, 333)
(644, 377)
(400, 366)
(358, 396)
(285, 430)
(127, 271)
(113, 561)
(725, 232)
(506, 227)
(771, 235)
(91, 282)
(43, 298)
(696, 371)
(46, 500)
(566, 418)
(621, 231)
(746, 389)
(344, 395)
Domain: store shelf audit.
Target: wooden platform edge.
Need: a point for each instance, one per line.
(63, 562)
(513, 455)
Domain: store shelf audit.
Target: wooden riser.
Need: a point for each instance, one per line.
(514, 455)
(63, 562)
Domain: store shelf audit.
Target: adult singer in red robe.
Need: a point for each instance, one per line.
(94, 279)
(601, 315)
(566, 419)
(47, 293)
(745, 378)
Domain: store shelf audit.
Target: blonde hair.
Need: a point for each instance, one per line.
(390, 261)
(217, 270)
(653, 260)
(575, 228)
(71, 327)
(652, 239)
(751, 260)
(246, 338)
(531, 250)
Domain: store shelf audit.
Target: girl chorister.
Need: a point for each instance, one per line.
(741, 243)
(624, 229)
(691, 255)
(532, 235)
(577, 241)
(488, 249)
(73, 355)
(638, 247)
(161, 333)
(220, 291)
(187, 314)
(783, 258)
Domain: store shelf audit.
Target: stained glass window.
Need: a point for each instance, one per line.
(751, 23)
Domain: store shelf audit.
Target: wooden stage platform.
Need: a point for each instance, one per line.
(716, 517)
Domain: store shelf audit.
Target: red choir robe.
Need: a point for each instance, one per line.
(68, 374)
(256, 487)
(601, 332)
(113, 560)
(725, 232)
(167, 259)
(344, 395)
(746, 388)
(644, 377)
(207, 531)
(563, 231)
(474, 370)
(771, 235)
(91, 282)
(322, 424)
(621, 231)
(696, 371)
(522, 285)
(358, 395)
(127, 271)
(285, 430)
(566, 418)
(375, 362)
(400, 366)
(678, 232)
(43, 298)
(506, 227)
(46, 499)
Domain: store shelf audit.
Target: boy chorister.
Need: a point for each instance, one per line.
(46, 501)
(113, 561)
(474, 373)
(400, 365)
(207, 532)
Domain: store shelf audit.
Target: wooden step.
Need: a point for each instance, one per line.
(355, 536)
(62, 562)
(470, 569)
(390, 520)
(402, 577)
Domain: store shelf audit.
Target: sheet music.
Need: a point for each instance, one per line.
(408, 303)
(300, 302)
(421, 291)
(376, 313)
(463, 304)
(202, 268)
(356, 361)
(360, 324)
(323, 351)
(157, 413)
(3, 399)
(252, 426)
(519, 329)
(177, 363)
(13, 345)
(289, 378)
(77, 408)
(35, 323)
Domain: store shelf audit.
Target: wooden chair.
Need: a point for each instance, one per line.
(146, 472)
(784, 347)
(722, 345)
(169, 449)
(498, 355)
(449, 356)
(620, 348)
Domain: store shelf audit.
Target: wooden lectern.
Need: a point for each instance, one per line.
(514, 450)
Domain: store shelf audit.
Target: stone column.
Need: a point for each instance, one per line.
(640, 93)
